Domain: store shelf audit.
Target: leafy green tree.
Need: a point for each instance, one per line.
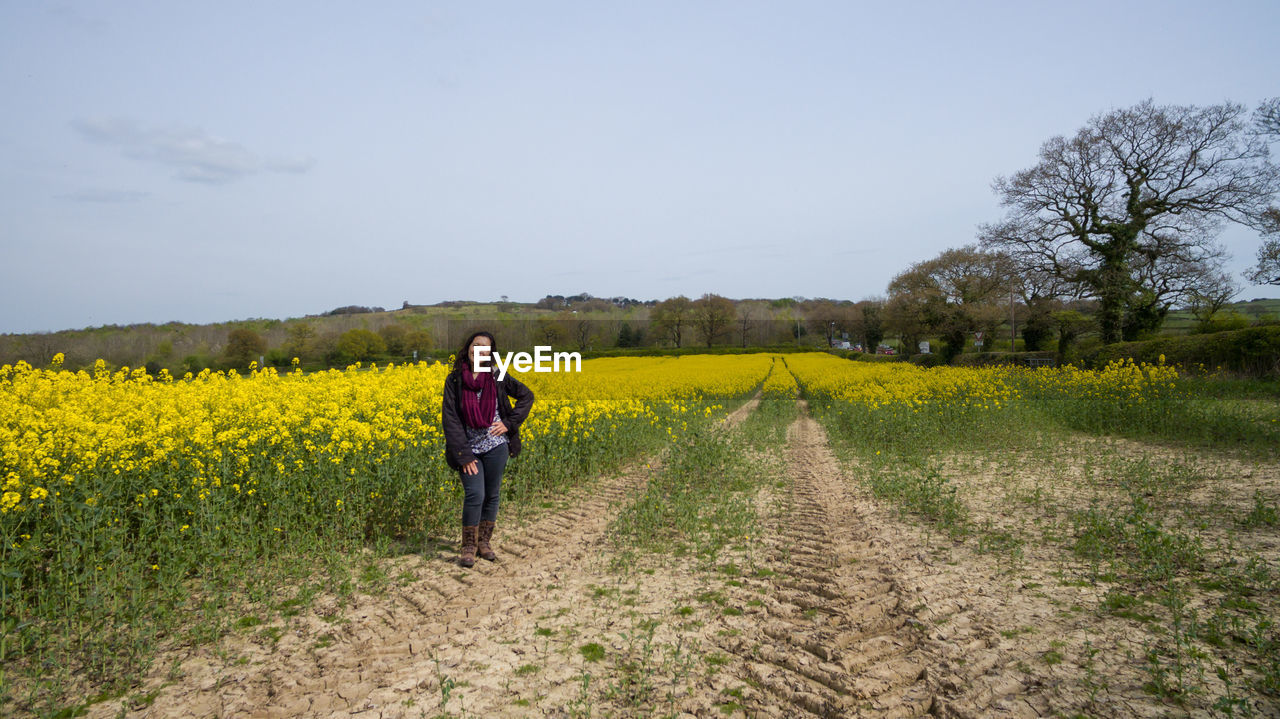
(626, 337)
(301, 340)
(394, 335)
(950, 295)
(417, 341)
(1039, 327)
(244, 346)
(872, 323)
(360, 345)
(1071, 324)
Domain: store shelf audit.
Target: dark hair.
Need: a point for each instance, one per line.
(463, 358)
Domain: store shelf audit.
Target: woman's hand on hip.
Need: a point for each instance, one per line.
(497, 429)
(471, 467)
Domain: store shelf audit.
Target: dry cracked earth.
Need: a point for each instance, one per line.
(834, 611)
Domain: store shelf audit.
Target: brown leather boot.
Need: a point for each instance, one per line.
(482, 543)
(467, 556)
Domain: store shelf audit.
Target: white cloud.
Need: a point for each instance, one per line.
(193, 154)
(296, 165)
(105, 196)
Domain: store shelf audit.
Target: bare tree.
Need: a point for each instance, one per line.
(1214, 290)
(749, 312)
(672, 316)
(579, 328)
(40, 348)
(1129, 186)
(1266, 119)
(1267, 272)
(712, 316)
(550, 331)
(968, 276)
(1171, 275)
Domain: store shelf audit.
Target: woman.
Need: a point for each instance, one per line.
(481, 430)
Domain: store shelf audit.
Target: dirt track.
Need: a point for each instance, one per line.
(862, 623)
(838, 637)
(385, 650)
(841, 616)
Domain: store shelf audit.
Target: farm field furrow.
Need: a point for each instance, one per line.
(837, 636)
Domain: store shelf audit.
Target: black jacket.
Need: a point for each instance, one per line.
(457, 450)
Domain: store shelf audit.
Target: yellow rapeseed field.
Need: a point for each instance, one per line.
(84, 437)
(120, 489)
(898, 385)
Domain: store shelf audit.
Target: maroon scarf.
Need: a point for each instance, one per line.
(478, 411)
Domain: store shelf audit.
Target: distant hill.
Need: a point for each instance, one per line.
(1253, 310)
(427, 329)
(179, 346)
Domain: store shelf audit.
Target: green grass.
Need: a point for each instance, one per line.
(591, 652)
(1182, 320)
(701, 500)
(1263, 514)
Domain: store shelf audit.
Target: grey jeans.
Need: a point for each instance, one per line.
(480, 490)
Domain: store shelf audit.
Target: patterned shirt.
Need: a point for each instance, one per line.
(478, 437)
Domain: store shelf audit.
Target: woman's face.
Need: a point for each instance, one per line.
(480, 346)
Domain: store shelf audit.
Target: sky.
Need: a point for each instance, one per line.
(204, 162)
